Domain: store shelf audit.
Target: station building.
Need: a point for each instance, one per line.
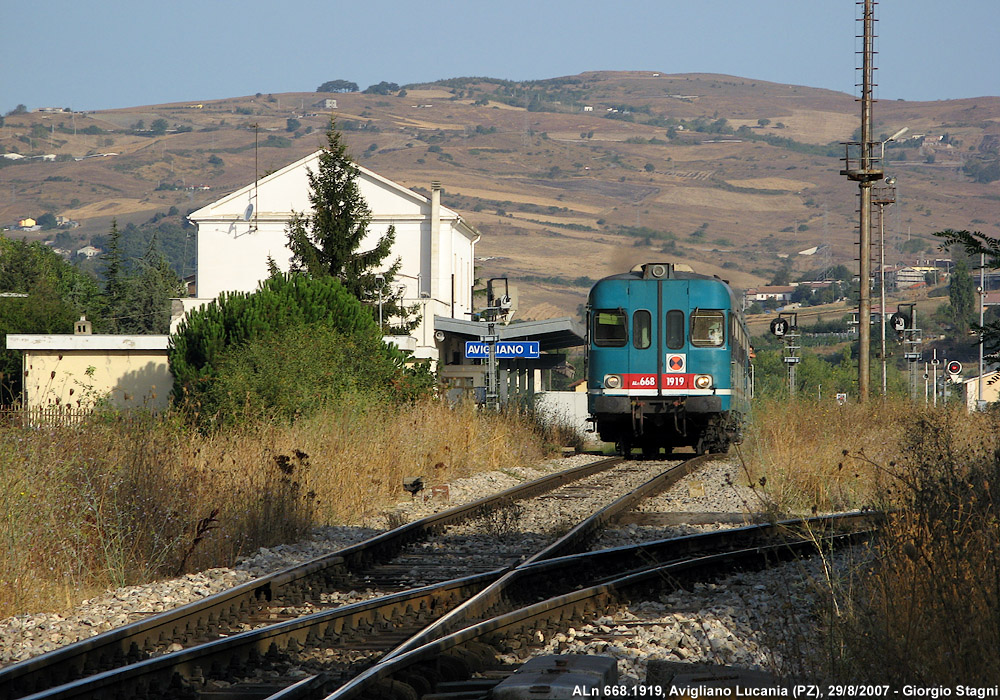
(240, 232)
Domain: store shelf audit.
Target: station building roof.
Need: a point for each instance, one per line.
(551, 333)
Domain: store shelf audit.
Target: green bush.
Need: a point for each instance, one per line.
(307, 337)
(300, 370)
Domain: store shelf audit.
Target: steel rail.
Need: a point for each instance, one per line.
(130, 680)
(573, 605)
(202, 618)
(552, 574)
(573, 541)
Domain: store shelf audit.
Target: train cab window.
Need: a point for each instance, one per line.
(708, 328)
(609, 328)
(675, 330)
(642, 325)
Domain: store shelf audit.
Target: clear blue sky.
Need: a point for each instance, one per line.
(115, 53)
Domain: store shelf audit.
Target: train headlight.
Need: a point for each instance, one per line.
(703, 381)
(612, 381)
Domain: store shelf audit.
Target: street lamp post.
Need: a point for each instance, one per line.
(982, 307)
(380, 279)
(884, 193)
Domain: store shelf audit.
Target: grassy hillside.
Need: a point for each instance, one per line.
(568, 179)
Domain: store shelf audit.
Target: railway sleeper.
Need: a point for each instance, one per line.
(391, 689)
(417, 681)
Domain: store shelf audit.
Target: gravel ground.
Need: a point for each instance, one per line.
(718, 487)
(28, 635)
(762, 621)
(723, 623)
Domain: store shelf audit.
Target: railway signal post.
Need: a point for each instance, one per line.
(934, 381)
(904, 323)
(499, 309)
(786, 328)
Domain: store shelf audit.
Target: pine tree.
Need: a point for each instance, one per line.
(978, 244)
(281, 303)
(328, 241)
(115, 281)
(146, 306)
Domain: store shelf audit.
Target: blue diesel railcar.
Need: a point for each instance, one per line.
(668, 360)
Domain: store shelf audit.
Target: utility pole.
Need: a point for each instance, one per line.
(863, 167)
(884, 194)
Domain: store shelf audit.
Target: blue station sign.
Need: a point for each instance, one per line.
(505, 350)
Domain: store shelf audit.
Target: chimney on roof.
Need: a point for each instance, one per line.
(82, 327)
(436, 266)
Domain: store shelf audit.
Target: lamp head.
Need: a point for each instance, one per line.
(898, 133)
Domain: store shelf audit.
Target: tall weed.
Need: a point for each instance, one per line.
(794, 454)
(922, 604)
(927, 608)
(125, 499)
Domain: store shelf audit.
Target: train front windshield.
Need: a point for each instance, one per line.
(610, 328)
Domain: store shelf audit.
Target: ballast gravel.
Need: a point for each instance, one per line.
(720, 623)
(762, 621)
(717, 487)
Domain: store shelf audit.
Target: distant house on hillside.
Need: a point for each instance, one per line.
(89, 251)
(781, 294)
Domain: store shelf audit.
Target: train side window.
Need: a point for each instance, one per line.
(708, 328)
(642, 324)
(609, 328)
(675, 330)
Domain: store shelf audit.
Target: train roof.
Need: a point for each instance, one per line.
(668, 271)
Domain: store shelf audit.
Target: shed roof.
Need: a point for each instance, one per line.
(551, 333)
(22, 341)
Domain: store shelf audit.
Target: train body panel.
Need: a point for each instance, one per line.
(668, 360)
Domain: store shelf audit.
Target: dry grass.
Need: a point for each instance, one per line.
(797, 453)
(922, 604)
(926, 609)
(126, 500)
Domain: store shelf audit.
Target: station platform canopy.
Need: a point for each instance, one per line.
(551, 333)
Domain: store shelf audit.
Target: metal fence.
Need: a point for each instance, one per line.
(56, 415)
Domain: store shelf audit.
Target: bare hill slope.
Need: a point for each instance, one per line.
(568, 179)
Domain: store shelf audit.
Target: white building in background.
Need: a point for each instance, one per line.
(238, 233)
(970, 389)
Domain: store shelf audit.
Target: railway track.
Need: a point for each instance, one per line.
(234, 610)
(332, 646)
(446, 665)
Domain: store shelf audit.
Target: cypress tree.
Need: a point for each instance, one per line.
(114, 279)
(962, 295)
(977, 244)
(328, 241)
